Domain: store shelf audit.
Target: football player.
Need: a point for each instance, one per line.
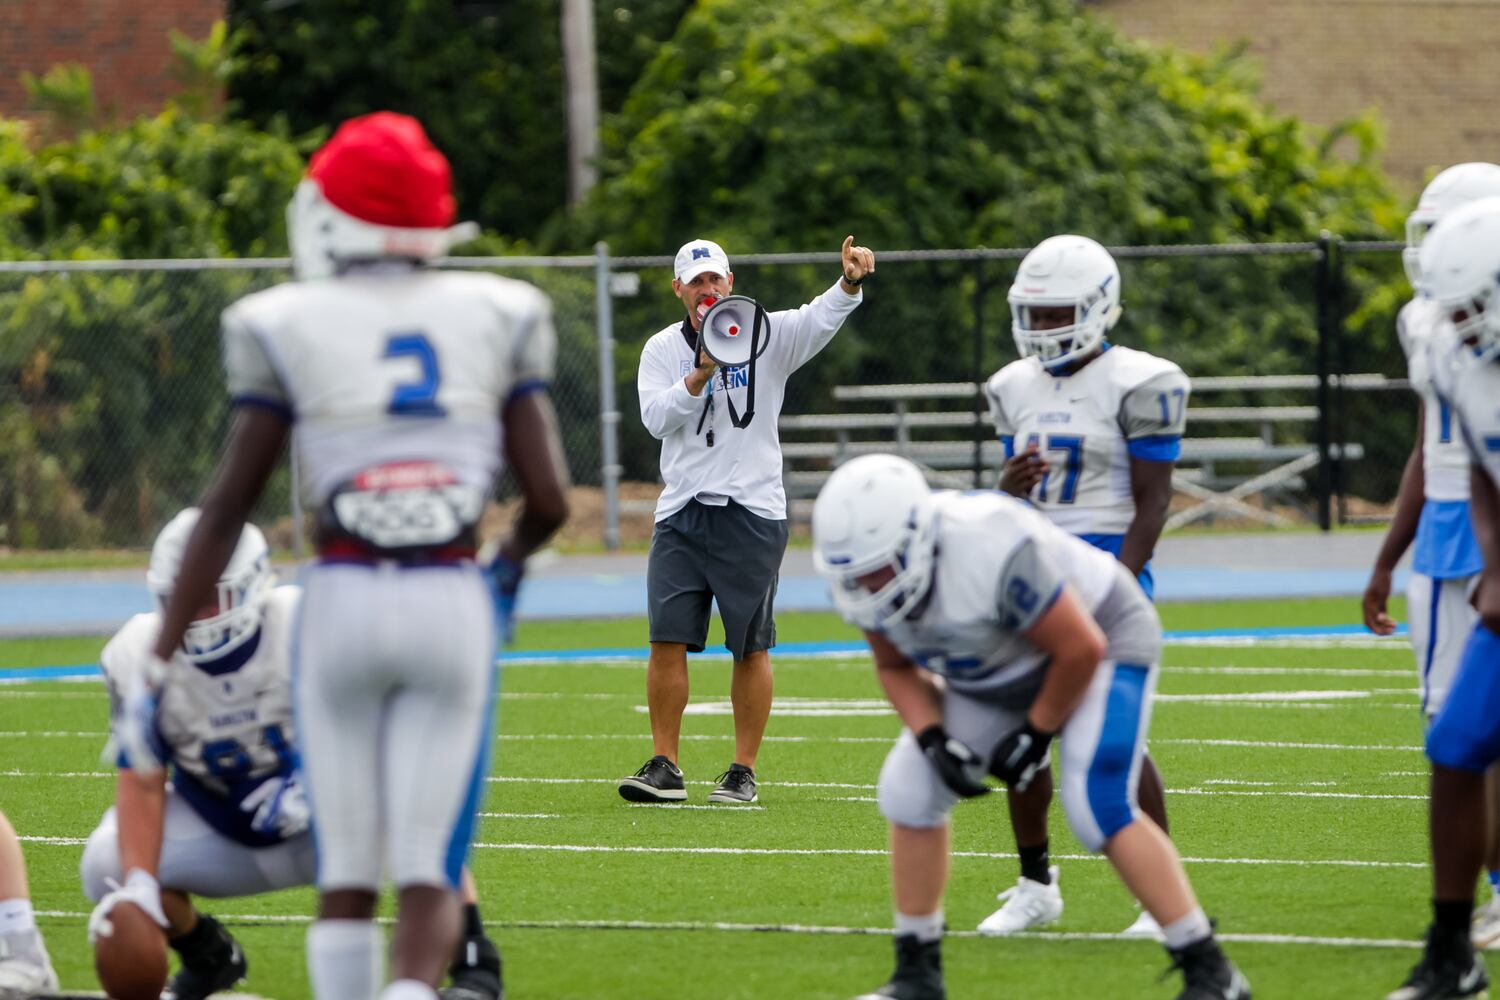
(1090, 431)
(993, 632)
(25, 969)
(410, 387)
(1432, 505)
(1460, 268)
(233, 819)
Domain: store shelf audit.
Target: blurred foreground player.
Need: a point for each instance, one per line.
(1460, 263)
(1432, 507)
(233, 821)
(409, 386)
(994, 631)
(25, 969)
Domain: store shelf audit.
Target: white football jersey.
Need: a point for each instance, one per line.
(1445, 461)
(999, 566)
(396, 378)
(1473, 391)
(1087, 425)
(226, 727)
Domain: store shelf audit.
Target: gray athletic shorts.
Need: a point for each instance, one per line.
(724, 554)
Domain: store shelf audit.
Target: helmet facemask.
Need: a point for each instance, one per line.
(240, 594)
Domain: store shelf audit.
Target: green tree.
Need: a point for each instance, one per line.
(109, 382)
(486, 80)
(965, 123)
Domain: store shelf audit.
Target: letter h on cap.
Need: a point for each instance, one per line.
(700, 252)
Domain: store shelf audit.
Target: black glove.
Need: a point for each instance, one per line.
(1019, 754)
(951, 759)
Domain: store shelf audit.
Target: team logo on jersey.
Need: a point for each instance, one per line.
(734, 377)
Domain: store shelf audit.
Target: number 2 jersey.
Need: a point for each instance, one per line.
(226, 725)
(999, 566)
(1088, 425)
(396, 377)
(1444, 547)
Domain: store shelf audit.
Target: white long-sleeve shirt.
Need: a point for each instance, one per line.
(744, 465)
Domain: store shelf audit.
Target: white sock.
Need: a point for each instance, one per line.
(926, 928)
(1187, 930)
(344, 959)
(16, 916)
(408, 989)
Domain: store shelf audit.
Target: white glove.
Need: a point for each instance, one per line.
(280, 807)
(136, 733)
(141, 889)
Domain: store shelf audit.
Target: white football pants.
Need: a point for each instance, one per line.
(197, 859)
(1441, 619)
(393, 683)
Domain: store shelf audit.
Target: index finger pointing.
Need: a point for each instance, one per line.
(848, 242)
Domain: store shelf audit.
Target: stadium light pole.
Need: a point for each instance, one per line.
(583, 96)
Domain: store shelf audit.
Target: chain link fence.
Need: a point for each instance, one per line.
(112, 407)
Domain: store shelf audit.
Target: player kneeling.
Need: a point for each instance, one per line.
(1031, 634)
(233, 820)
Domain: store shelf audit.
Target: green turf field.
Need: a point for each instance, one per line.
(1297, 792)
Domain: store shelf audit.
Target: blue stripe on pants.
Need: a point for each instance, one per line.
(1432, 639)
(1108, 781)
(463, 832)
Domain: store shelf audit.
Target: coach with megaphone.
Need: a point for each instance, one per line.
(721, 525)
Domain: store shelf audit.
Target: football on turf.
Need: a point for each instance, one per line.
(130, 955)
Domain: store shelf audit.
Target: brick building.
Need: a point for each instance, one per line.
(1427, 66)
(122, 42)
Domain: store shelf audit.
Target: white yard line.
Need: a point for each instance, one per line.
(780, 928)
(862, 852)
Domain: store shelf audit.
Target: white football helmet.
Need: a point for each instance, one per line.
(377, 189)
(241, 595)
(1458, 185)
(324, 238)
(1069, 271)
(875, 511)
(1460, 262)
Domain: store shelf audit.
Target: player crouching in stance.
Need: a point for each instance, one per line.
(233, 820)
(1460, 267)
(993, 631)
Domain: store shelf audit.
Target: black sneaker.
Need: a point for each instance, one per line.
(735, 785)
(658, 780)
(475, 972)
(918, 975)
(214, 963)
(1450, 967)
(1207, 974)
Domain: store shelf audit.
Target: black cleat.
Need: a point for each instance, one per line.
(475, 972)
(212, 964)
(1207, 974)
(1450, 968)
(658, 780)
(918, 975)
(735, 785)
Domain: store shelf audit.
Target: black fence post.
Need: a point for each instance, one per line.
(1325, 292)
(979, 372)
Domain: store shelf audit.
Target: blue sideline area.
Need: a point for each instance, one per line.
(74, 604)
(85, 671)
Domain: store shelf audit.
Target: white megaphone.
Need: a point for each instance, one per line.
(735, 330)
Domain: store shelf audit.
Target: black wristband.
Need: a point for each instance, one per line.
(861, 280)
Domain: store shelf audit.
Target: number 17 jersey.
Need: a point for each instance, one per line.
(1088, 425)
(395, 376)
